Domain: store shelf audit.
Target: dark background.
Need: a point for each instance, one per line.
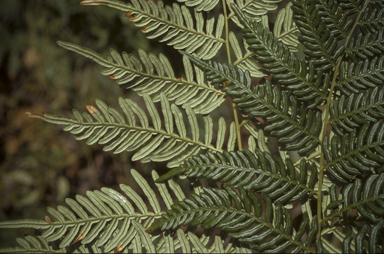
(40, 164)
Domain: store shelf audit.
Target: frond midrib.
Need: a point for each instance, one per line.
(331, 17)
(361, 75)
(249, 215)
(356, 111)
(366, 45)
(143, 74)
(259, 171)
(316, 37)
(355, 151)
(351, 206)
(132, 8)
(142, 129)
(278, 59)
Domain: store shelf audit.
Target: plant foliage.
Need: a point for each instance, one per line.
(313, 84)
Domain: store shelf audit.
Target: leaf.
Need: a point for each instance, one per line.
(109, 128)
(150, 74)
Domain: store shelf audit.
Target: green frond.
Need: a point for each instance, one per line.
(201, 5)
(150, 75)
(279, 60)
(244, 169)
(284, 117)
(244, 61)
(106, 219)
(335, 20)
(365, 74)
(241, 217)
(284, 28)
(174, 25)
(106, 126)
(352, 6)
(366, 46)
(253, 9)
(355, 110)
(319, 40)
(372, 20)
(364, 196)
(360, 152)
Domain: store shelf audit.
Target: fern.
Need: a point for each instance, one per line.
(313, 85)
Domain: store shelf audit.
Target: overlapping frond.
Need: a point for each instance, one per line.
(150, 75)
(285, 120)
(352, 6)
(201, 5)
(366, 46)
(320, 42)
(364, 195)
(173, 25)
(335, 20)
(108, 127)
(359, 151)
(104, 219)
(365, 74)
(253, 9)
(355, 110)
(372, 20)
(263, 173)
(279, 60)
(241, 217)
(244, 61)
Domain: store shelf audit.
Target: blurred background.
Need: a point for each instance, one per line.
(41, 165)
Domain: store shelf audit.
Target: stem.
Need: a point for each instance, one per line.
(326, 122)
(238, 126)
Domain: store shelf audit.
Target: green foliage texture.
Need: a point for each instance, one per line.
(311, 81)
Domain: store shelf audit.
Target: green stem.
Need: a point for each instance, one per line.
(326, 122)
(238, 126)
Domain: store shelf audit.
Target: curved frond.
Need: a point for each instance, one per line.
(365, 196)
(359, 151)
(284, 117)
(372, 20)
(150, 75)
(173, 25)
(335, 20)
(279, 60)
(320, 42)
(355, 110)
(243, 169)
(253, 9)
(366, 46)
(365, 74)
(108, 127)
(201, 5)
(352, 6)
(244, 61)
(241, 217)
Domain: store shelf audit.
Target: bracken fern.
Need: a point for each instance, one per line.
(314, 84)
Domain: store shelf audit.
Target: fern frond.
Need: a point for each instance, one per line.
(244, 169)
(173, 25)
(365, 196)
(366, 46)
(269, 102)
(253, 9)
(285, 30)
(150, 74)
(279, 60)
(372, 20)
(244, 61)
(352, 6)
(105, 219)
(320, 42)
(358, 152)
(242, 220)
(355, 110)
(107, 126)
(201, 5)
(360, 76)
